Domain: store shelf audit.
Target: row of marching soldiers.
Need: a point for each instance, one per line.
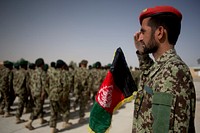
(33, 83)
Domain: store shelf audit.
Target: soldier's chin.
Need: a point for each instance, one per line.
(146, 51)
(149, 51)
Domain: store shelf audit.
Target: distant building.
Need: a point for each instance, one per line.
(198, 61)
(195, 71)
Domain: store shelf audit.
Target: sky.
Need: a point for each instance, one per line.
(73, 30)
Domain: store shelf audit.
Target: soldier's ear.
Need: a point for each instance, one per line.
(160, 32)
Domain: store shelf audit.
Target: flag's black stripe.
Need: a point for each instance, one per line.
(122, 75)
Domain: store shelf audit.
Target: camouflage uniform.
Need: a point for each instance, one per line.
(58, 95)
(166, 99)
(98, 76)
(30, 102)
(37, 81)
(37, 84)
(81, 90)
(6, 89)
(136, 75)
(50, 71)
(20, 88)
(68, 79)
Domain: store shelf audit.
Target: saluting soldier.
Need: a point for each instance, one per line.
(166, 98)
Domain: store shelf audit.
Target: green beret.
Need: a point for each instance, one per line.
(16, 65)
(23, 62)
(45, 67)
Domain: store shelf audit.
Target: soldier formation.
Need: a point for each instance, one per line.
(65, 86)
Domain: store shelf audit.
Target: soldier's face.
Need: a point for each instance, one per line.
(147, 38)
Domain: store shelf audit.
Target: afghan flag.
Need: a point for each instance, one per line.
(117, 88)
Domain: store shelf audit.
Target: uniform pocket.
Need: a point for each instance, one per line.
(161, 108)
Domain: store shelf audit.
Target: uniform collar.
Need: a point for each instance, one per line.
(160, 62)
(166, 56)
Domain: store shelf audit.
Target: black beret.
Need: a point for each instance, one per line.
(53, 64)
(8, 63)
(59, 63)
(32, 66)
(39, 62)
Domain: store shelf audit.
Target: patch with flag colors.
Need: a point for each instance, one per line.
(117, 88)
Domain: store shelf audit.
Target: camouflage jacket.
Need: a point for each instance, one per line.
(97, 79)
(6, 77)
(81, 81)
(30, 72)
(54, 83)
(37, 82)
(20, 81)
(166, 97)
(67, 80)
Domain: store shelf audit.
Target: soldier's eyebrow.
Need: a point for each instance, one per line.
(142, 30)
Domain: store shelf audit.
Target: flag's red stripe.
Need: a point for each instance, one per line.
(109, 94)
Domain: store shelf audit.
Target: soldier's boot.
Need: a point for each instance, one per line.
(25, 111)
(74, 107)
(1, 112)
(29, 125)
(18, 120)
(66, 125)
(53, 130)
(81, 120)
(43, 121)
(7, 114)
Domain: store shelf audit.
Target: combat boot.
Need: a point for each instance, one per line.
(81, 120)
(66, 125)
(43, 121)
(25, 111)
(18, 120)
(7, 114)
(54, 130)
(1, 112)
(29, 125)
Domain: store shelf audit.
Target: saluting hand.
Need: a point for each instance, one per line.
(138, 44)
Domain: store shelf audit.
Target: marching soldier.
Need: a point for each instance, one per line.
(98, 76)
(6, 88)
(38, 93)
(20, 88)
(81, 89)
(58, 92)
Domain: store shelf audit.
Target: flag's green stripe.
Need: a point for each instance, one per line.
(100, 119)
